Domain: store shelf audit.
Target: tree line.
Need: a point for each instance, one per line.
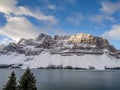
(27, 82)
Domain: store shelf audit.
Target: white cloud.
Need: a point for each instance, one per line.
(76, 18)
(114, 33)
(110, 18)
(110, 7)
(100, 17)
(97, 18)
(36, 14)
(70, 1)
(19, 27)
(5, 41)
(105, 12)
(9, 6)
(51, 6)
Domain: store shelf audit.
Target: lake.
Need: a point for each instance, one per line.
(69, 79)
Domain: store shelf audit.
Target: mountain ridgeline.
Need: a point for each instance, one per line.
(47, 51)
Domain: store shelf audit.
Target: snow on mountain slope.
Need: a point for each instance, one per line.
(12, 59)
(46, 59)
(77, 51)
(85, 61)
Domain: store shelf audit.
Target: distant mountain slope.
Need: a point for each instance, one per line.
(80, 51)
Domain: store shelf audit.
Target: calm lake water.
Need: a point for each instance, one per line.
(70, 79)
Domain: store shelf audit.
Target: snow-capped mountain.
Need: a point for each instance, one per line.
(79, 51)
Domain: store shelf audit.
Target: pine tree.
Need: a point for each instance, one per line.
(11, 84)
(27, 81)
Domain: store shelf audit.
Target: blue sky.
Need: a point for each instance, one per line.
(28, 18)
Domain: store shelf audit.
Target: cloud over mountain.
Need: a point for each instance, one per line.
(114, 33)
(18, 26)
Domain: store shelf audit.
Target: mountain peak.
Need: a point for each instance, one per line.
(43, 36)
(81, 37)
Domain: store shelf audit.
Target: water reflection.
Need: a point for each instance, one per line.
(70, 79)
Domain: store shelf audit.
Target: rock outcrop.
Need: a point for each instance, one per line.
(82, 38)
(43, 37)
(89, 39)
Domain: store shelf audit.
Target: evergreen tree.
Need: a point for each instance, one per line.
(27, 81)
(11, 84)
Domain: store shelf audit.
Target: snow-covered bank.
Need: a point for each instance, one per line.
(45, 59)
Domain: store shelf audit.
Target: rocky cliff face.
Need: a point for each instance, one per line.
(64, 45)
(89, 39)
(82, 38)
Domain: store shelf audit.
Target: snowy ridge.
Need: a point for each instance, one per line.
(84, 52)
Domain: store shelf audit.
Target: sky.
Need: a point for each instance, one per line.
(28, 18)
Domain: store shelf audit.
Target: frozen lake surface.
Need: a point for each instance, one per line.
(69, 79)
